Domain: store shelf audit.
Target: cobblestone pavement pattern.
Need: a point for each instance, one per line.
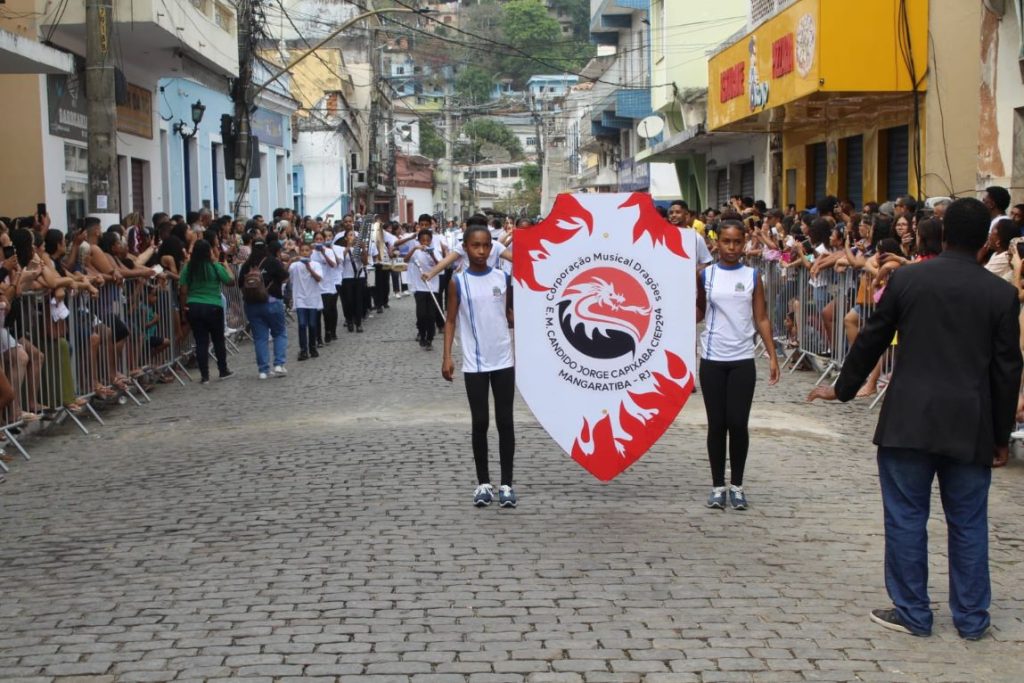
(320, 527)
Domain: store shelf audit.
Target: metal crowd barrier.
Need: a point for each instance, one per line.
(817, 319)
(64, 354)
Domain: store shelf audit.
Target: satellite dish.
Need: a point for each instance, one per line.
(651, 127)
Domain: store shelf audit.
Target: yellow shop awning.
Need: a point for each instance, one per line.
(816, 51)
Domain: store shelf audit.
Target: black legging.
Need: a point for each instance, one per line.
(207, 323)
(503, 385)
(329, 328)
(425, 312)
(728, 391)
(352, 291)
(381, 286)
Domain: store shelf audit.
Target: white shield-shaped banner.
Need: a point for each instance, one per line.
(605, 297)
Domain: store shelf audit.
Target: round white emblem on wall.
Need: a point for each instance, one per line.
(805, 36)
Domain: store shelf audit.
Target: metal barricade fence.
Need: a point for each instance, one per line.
(818, 319)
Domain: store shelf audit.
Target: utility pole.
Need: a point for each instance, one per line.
(373, 152)
(104, 188)
(449, 153)
(242, 96)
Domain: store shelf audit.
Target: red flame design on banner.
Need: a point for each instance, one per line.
(566, 219)
(651, 222)
(611, 454)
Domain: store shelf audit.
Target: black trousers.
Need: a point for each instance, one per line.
(444, 278)
(728, 391)
(381, 286)
(353, 304)
(329, 328)
(207, 323)
(502, 384)
(425, 313)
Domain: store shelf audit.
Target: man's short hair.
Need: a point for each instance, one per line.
(966, 225)
(680, 202)
(1000, 197)
(476, 219)
(424, 217)
(192, 217)
(909, 203)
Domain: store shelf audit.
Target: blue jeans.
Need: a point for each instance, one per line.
(309, 323)
(906, 477)
(267, 320)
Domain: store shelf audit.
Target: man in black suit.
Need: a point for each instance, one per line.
(948, 412)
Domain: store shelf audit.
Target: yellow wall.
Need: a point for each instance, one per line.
(21, 139)
(860, 50)
(21, 135)
(795, 156)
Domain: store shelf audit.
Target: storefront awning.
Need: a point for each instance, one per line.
(803, 54)
(21, 55)
(693, 140)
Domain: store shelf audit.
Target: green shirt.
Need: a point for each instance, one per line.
(206, 291)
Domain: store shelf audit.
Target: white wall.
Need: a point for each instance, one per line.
(664, 181)
(1009, 91)
(324, 159)
(422, 199)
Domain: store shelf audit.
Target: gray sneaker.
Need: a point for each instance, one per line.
(716, 499)
(483, 496)
(507, 497)
(737, 499)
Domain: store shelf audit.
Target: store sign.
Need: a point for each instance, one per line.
(66, 107)
(731, 85)
(773, 65)
(268, 127)
(68, 115)
(135, 116)
(782, 56)
(634, 177)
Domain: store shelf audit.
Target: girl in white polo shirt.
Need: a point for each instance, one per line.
(730, 296)
(480, 303)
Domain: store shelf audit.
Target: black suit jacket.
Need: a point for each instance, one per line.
(958, 361)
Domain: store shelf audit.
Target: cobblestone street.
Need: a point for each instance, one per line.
(320, 527)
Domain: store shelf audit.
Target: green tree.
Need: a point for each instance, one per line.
(474, 85)
(480, 131)
(431, 142)
(526, 25)
(527, 190)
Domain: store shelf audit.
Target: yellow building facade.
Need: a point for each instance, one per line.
(841, 86)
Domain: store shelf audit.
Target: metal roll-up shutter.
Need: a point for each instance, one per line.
(855, 170)
(897, 161)
(819, 159)
(139, 186)
(721, 187)
(747, 179)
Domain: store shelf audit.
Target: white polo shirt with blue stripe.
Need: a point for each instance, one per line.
(483, 326)
(729, 321)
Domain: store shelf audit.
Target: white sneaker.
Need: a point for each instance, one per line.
(229, 331)
(263, 375)
(280, 370)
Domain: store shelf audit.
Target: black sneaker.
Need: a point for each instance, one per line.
(359, 328)
(349, 326)
(421, 341)
(303, 356)
(975, 636)
(313, 353)
(890, 619)
(380, 310)
(204, 380)
(227, 374)
(429, 345)
(319, 344)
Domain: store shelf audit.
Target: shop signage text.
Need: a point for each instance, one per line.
(782, 56)
(732, 82)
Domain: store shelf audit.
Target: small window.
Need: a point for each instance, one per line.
(400, 70)
(531, 142)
